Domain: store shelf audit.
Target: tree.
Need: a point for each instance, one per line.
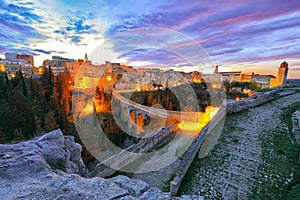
(12, 117)
(253, 86)
(18, 135)
(2, 136)
(47, 80)
(50, 122)
(23, 84)
(227, 85)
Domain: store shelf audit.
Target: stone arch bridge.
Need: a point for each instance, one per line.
(133, 115)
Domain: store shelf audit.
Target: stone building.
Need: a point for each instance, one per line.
(231, 76)
(57, 64)
(281, 77)
(14, 63)
(262, 80)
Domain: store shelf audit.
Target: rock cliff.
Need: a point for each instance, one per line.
(50, 167)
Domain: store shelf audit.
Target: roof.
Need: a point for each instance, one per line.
(269, 76)
(236, 72)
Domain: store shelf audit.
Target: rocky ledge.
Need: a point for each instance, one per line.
(50, 167)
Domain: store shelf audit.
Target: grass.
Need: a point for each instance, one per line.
(286, 117)
(166, 188)
(265, 90)
(279, 174)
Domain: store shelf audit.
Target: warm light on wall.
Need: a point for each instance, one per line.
(2, 68)
(197, 80)
(41, 70)
(108, 78)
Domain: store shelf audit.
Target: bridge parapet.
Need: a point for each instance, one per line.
(130, 112)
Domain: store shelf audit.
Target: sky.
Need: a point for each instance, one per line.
(249, 36)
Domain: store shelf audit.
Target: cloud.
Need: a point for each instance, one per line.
(42, 51)
(16, 26)
(78, 23)
(230, 31)
(76, 39)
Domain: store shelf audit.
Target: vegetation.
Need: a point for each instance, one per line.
(280, 171)
(253, 86)
(235, 85)
(234, 94)
(30, 107)
(170, 98)
(286, 116)
(264, 90)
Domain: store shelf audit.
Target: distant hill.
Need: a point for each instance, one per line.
(294, 82)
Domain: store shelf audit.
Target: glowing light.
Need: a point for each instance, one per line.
(194, 127)
(13, 75)
(197, 80)
(246, 91)
(191, 126)
(214, 86)
(40, 70)
(108, 78)
(237, 98)
(138, 89)
(89, 109)
(2, 68)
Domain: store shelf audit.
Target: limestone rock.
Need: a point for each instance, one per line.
(134, 186)
(53, 149)
(40, 169)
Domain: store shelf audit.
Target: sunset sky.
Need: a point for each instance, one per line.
(249, 35)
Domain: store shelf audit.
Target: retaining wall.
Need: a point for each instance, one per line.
(229, 106)
(193, 150)
(132, 153)
(296, 125)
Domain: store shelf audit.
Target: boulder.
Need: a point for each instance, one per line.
(49, 167)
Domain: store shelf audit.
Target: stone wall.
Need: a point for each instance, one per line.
(229, 106)
(193, 150)
(134, 152)
(233, 106)
(296, 125)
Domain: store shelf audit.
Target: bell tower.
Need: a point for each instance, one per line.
(282, 73)
(216, 70)
(86, 57)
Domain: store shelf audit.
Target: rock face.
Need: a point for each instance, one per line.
(42, 155)
(50, 167)
(296, 125)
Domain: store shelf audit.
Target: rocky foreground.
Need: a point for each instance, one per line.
(50, 167)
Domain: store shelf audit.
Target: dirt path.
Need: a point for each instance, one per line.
(237, 166)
